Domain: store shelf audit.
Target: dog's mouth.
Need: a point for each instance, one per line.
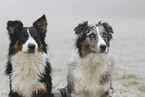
(93, 51)
(100, 51)
(29, 52)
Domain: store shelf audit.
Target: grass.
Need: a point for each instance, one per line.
(141, 87)
(128, 76)
(122, 75)
(128, 83)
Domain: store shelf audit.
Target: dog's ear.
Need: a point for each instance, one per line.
(83, 27)
(99, 22)
(41, 24)
(12, 26)
(109, 29)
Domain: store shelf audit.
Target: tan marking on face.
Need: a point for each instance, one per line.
(35, 35)
(40, 48)
(87, 47)
(26, 34)
(39, 93)
(94, 32)
(17, 48)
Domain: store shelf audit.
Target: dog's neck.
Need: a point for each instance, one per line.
(22, 57)
(94, 60)
(27, 62)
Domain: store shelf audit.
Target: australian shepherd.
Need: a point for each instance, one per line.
(28, 66)
(91, 67)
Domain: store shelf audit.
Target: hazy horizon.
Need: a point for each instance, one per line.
(129, 8)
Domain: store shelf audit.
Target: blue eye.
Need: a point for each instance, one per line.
(104, 34)
(92, 37)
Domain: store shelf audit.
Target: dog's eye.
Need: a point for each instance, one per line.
(92, 37)
(104, 34)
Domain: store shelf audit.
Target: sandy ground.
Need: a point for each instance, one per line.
(127, 49)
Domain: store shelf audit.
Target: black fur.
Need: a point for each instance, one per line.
(46, 77)
(109, 30)
(79, 43)
(13, 27)
(14, 94)
(81, 30)
(16, 33)
(8, 70)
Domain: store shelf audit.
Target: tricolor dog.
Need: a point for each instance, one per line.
(28, 66)
(90, 67)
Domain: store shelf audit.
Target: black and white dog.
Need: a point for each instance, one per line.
(91, 68)
(28, 66)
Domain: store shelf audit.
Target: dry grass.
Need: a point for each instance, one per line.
(141, 87)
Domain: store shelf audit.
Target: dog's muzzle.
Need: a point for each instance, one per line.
(31, 48)
(103, 48)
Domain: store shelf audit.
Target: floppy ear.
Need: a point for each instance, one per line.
(41, 24)
(108, 28)
(83, 27)
(12, 26)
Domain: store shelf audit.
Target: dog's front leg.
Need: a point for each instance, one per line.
(14, 94)
(108, 93)
(40, 93)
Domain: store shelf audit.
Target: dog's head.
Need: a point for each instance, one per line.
(93, 38)
(27, 39)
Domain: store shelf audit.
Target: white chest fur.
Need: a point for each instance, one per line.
(26, 71)
(86, 75)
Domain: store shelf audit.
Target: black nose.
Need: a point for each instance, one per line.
(103, 47)
(31, 46)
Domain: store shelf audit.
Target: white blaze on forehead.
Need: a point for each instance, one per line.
(100, 39)
(29, 41)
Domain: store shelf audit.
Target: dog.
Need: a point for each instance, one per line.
(90, 68)
(28, 66)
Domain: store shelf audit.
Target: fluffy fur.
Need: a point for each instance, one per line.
(88, 79)
(91, 68)
(28, 66)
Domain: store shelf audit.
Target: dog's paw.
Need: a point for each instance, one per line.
(39, 93)
(109, 93)
(14, 94)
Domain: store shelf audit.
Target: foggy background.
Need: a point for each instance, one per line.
(127, 17)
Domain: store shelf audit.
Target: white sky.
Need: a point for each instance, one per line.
(131, 8)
